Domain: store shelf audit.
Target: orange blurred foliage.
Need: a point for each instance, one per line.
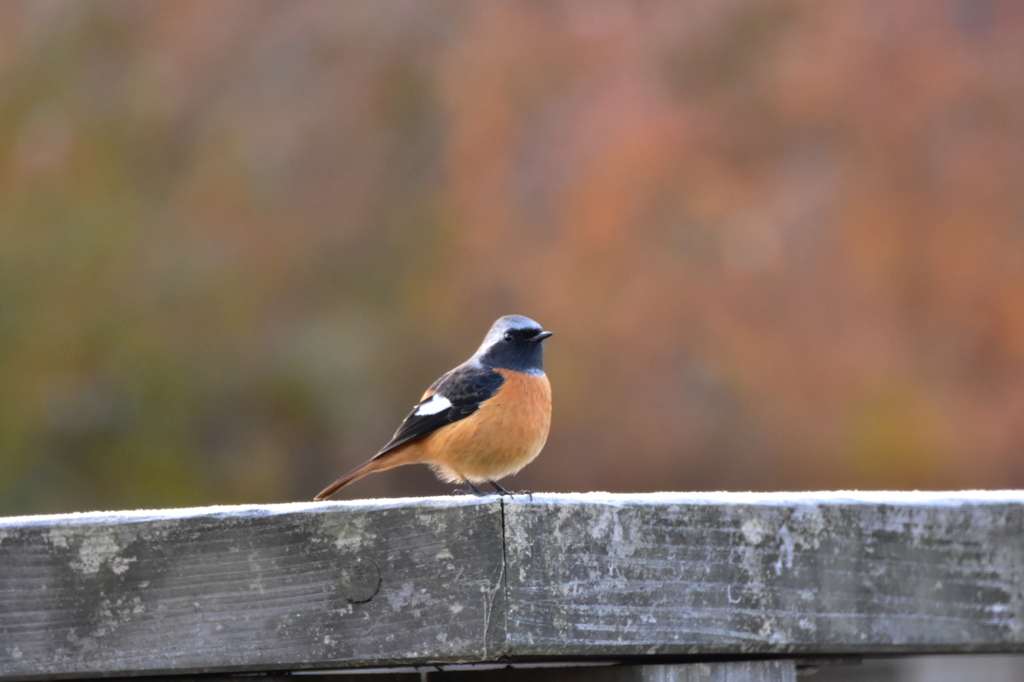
(781, 244)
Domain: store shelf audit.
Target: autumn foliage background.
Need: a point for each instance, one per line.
(780, 244)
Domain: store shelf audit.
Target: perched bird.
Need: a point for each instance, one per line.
(486, 419)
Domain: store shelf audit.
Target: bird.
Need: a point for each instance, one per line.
(481, 421)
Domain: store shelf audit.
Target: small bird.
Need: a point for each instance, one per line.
(484, 420)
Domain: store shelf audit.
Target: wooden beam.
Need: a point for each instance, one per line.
(728, 574)
(252, 588)
(654, 579)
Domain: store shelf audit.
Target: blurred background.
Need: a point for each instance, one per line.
(780, 244)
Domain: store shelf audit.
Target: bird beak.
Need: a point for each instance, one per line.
(539, 337)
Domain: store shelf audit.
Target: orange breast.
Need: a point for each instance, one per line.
(504, 435)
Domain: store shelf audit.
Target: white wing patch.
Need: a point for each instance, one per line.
(436, 403)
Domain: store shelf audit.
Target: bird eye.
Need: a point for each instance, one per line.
(509, 337)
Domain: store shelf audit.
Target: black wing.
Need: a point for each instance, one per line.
(465, 387)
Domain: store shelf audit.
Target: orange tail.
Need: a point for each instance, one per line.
(389, 460)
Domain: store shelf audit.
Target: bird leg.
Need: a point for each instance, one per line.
(502, 491)
(498, 489)
(473, 490)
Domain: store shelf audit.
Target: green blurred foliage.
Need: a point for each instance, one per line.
(781, 244)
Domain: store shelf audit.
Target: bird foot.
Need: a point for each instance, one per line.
(501, 491)
(498, 490)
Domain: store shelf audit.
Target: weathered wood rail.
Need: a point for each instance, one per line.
(680, 586)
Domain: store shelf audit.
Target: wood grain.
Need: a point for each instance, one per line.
(727, 575)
